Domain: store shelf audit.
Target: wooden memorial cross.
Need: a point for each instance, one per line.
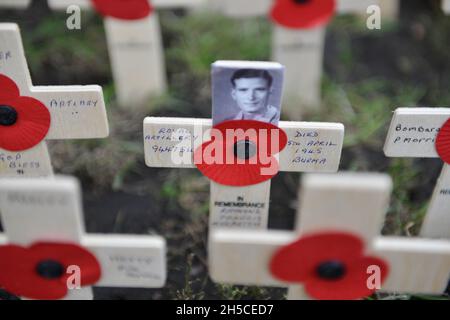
(30, 115)
(414, 133)
(300, 47)
(45, 240)
(336, 247)
(311, 146)
(135, 47)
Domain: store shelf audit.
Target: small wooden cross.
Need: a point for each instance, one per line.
(136, 51)
(413, 134)
(300, 50)
(348, 202)
(50, 211)
(14, 4)
(311, 147)
(76, 112)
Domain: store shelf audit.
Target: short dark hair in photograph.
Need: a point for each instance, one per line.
(251, 73)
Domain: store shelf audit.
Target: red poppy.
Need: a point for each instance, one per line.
(302, 14)
(332, 266)
(443, 142)
(24, 121)
(240, 152)
(39, 272)
(123, 9)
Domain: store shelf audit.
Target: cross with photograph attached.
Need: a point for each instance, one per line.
(336, 251)
(29, 115)
(44, 241)
(310, 146)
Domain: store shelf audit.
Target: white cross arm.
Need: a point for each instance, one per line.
(85, 4)
(243, 257)
(413, 132)
(311, 146)
(129, 260)
(15, 3)
(77, 112)
(416, 265)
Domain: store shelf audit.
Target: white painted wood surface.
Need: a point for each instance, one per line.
(136, 51)
(13, 4)
(301, 51)
(413, 133)
(77, 112)
(50, 210)
(416, 265)
(137, 57)
(160, 4)
(446, 6)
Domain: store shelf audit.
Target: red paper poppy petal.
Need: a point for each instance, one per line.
(70, 254)
(32, 126)
(123, 9)
(8, 89)
(297, 262)
(443, 142)
(312, 14)
(269, 140)
(353, 286)
(18, 276)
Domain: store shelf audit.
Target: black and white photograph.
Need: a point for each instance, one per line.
(247, 91)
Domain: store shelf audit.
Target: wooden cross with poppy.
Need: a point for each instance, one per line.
(135, 44)
(299, 39)
(240, 193)
(29, 115)
(336, 251)
(45, 251)
(425, 133)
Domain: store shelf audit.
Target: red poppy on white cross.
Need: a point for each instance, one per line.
(336, 251)
(14, 4)
(423, 133)
(29, 114)
(135, 45)
(301, 47)
(446, 6)
(311, 147)
(44, 247)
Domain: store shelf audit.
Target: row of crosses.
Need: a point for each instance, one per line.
(346, 208)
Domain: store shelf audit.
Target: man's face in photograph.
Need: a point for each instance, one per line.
(251, 94)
